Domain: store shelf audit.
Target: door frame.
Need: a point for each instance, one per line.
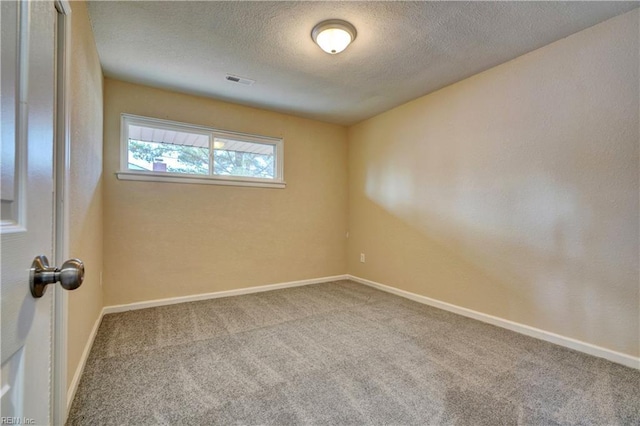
(61, 167)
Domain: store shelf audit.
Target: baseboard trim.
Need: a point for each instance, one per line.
(218, 294)
(71, 392)
(588, 348)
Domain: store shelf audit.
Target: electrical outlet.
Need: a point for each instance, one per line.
(362, 258)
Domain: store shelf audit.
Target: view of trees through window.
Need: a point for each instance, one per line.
(173, 158)
(167, 157)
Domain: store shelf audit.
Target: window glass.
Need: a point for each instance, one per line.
(165, 157)
(241, 158)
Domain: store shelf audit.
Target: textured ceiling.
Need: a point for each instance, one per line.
(403, 49)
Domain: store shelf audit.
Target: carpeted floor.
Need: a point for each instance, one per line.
(338, 354)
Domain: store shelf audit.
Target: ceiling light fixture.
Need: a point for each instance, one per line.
(334, 35)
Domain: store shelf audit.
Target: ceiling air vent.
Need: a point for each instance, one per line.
(239, 80)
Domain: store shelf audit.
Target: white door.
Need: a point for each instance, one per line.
(27, 92)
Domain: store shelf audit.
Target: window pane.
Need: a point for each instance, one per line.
(240, 158)
(168, 157)
(156, 147)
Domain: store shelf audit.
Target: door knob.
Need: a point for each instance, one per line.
(70, 275)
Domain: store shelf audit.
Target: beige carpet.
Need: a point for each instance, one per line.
(338, 354)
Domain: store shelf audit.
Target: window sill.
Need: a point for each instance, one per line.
(203, 180)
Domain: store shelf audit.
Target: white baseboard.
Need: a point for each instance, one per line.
(71, 392)
(588, 348)
(218, 294)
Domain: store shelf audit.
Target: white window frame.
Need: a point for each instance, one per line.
(142, 175)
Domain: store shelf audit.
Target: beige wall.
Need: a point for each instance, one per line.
(85, 201)
(514, 192)
(165, 240)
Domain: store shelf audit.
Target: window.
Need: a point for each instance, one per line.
(162, 150)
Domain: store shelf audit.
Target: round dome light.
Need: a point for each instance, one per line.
(334, 35)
